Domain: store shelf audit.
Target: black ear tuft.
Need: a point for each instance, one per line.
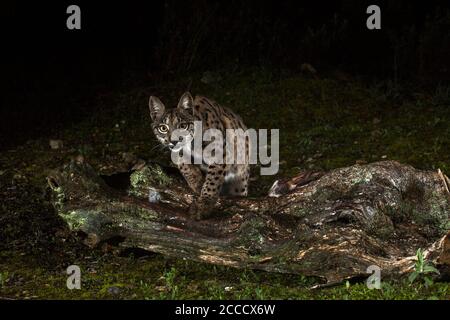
(186, 101)
(156, 108)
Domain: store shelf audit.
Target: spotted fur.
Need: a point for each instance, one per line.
(207, 181)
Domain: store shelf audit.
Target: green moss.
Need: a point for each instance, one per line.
(75, 220)
(147, 177)
(252, 235)
(438, 213)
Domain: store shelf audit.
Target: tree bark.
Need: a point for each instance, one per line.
(331, 225)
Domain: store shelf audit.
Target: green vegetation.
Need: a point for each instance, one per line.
(422, 269)
(157, 277)
(324, 124)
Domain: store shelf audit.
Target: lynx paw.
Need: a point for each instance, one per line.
(199, 211)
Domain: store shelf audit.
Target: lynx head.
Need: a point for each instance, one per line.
(173, 127)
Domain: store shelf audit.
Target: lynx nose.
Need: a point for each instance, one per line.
(173, 142)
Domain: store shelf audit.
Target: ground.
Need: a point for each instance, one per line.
(324, 123)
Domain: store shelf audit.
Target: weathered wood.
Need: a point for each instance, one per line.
(331, 225)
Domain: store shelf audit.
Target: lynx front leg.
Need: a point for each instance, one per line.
(210, 192)
(193, 176)
(239, 185)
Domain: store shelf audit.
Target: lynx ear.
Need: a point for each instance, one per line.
(156, 108)
(186, 101)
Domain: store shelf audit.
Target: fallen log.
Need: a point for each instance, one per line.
(331, 225)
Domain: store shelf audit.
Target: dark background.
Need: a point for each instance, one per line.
(50, 74)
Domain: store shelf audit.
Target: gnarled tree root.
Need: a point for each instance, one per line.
(332, 225)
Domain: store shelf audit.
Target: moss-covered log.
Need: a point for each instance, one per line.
(331, 225)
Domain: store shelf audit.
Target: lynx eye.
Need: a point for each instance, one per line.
(164, 128)
(183, 126)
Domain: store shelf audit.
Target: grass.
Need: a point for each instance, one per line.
(324, 124)
(161, 278)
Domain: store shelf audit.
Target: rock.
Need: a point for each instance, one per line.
(55, 144)
(153, 196)
(114, 290)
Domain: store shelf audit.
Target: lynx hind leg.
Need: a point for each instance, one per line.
(238, 184)
(193, 176)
